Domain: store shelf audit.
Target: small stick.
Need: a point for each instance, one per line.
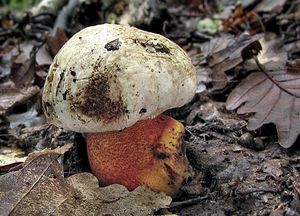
(188, 202)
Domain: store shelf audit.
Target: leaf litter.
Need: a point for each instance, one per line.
(224, 53)
(272, 94)
(237, 171)
(39, 188)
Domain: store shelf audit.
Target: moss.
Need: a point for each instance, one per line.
(17, 4)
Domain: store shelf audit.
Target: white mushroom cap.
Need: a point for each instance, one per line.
(107, 77)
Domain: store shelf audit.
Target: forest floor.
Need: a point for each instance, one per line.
(241, 127)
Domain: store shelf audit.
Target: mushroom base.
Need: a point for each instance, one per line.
(148, 153)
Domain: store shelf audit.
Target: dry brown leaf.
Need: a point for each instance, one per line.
(273, 167)
(11, 96)
(296, 180)
(22, 66)
(273, 96)
(23, 74)
(111, 200)
(27, 48)
(271, 102)
(40, 183)
(57, 41)
(43, 56)
(19, 88)
(23, 51)
(270, 6)
(224, 53)
(40, 188)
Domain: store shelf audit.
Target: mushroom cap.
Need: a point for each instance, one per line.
(108, 77)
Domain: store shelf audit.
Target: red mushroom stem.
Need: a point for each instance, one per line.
(148, 153)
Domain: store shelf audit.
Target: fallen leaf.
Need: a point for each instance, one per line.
(224, 53)
(6, 23)
(242, 19)
(27, 48)
(273, 167)
(22, 74)
(40, 188)
(11, 96)
(296, 180)
(203, 73)
(273, 101)
(57, 41)
(37, 189)
(111, 200)
(270, 6)
(273, 96)
(24, 51)
(43, 56)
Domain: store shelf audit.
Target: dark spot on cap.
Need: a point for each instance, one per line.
(113, 45)
(96, 100)
(158, 47)
(65, 95)
(60, 82)
(97, 64)
(80, 38)
(143, 110)
(73, 73)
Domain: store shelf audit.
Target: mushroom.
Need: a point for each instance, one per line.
(113, 82)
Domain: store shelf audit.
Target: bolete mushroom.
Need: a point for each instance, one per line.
(113, 82)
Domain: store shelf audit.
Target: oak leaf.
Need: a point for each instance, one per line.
(274, 100)
(271, 92)
(40, 188)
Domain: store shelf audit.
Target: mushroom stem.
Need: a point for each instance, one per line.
(148, 153)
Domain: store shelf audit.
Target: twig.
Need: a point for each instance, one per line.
(188, 202)
(260, 21)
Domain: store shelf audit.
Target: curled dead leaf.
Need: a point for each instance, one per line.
(11, 96)
(224, 53)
